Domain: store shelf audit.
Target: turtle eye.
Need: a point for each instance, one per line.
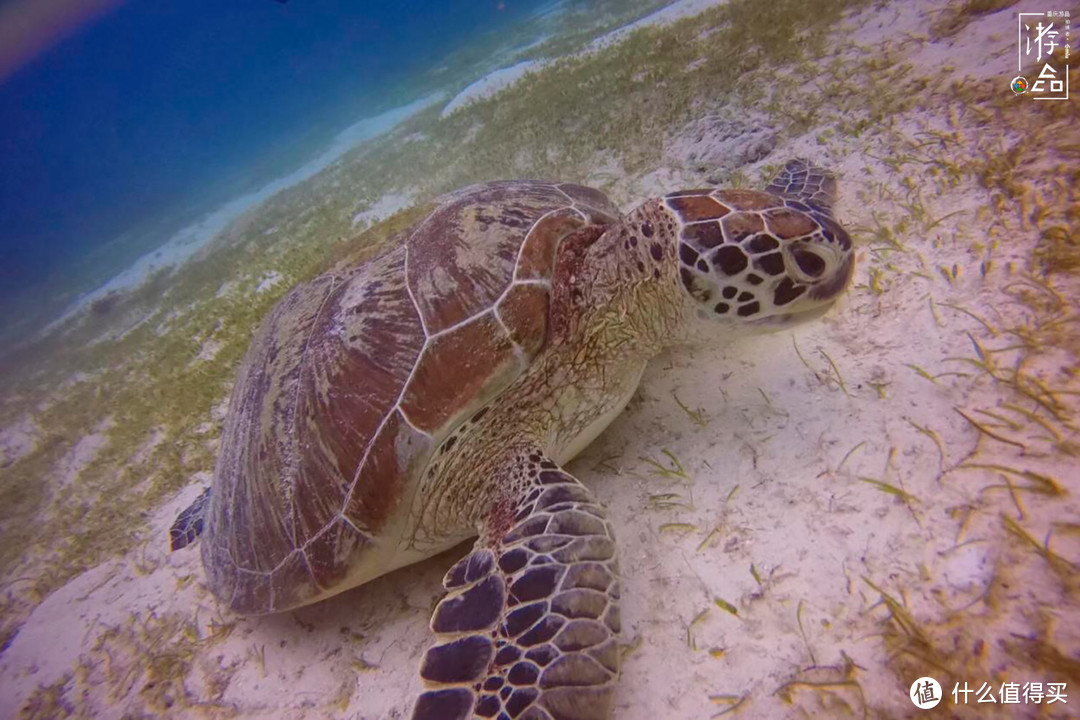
(808, 261)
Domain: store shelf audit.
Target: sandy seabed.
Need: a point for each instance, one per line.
(782, 504)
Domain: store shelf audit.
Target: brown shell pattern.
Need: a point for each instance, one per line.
(355, 377)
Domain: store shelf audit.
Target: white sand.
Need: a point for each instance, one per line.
(503, 78)
(491, 84)
(268, 281)
(17, 440)
(383, 208)
(775, 472)
(84, 452)
(665, 16)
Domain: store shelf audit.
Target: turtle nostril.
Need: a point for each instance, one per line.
(809, 261)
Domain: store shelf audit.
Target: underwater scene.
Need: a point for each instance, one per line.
(539, 359)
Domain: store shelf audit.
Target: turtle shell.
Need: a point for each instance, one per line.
(355, 378)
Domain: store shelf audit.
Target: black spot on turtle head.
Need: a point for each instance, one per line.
(729, 292)
(787, 291)
(730, 260)
(687, 254)
(656, 251)
(705, 235)
(647, 229)
(721, 308)
(772, 263)
(748, 310)
(745, 296)
(640, 266)
(808, 261)
(702, 265)
(633, 241)
(762, 243)
(754, 279)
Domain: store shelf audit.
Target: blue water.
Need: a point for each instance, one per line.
(160, 110)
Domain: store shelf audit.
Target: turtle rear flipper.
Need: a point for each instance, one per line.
(528, 629)
(806, 183)
(189, 524)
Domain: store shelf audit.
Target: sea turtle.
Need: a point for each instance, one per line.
(389, 410)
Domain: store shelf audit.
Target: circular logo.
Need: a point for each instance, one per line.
(1019, 85)
(925, 693)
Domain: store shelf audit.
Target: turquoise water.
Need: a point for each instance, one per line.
(151, 114)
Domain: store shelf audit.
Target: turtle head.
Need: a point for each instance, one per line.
(757, 259)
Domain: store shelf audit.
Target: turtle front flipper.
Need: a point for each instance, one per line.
(528, 629)
(805, 183)
(189, 524)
